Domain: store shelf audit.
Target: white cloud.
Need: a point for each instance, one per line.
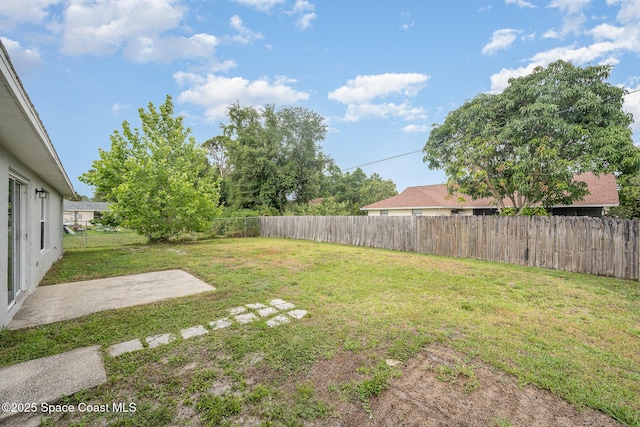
(408, 21)
(520, 3)
(302, 6)
(366, 88)
(13, 12)
(23, 59)
(385, 110)
(304, 13)
(500, 80)
(359, 93)
(629, 11)
(632, 105)
(500, 40)
(626, 37)
(405, 27)
(138, 27)
(261, 5)
(610, 42)
(216, 93)
(416, 128)
(167, 49)
(580, 56)
(570, 6)
(574, 17)
(245, 36)
(104, 27)
(305, 21)
(551, 34)
(117, 108)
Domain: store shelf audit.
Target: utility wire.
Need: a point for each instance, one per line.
(419, 151)
(383, 160)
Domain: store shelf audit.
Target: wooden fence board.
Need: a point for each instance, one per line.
(601, 246)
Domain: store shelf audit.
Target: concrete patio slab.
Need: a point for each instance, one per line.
(49, 304)
(48, 379)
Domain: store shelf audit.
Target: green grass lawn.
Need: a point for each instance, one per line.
(576, 335)
(93, 238)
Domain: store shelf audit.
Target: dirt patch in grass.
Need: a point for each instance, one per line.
(440, 387)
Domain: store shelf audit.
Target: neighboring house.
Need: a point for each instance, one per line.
(83, 212)
(434, 200)
(34, 184)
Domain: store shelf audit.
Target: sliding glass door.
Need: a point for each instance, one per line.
(14, 249)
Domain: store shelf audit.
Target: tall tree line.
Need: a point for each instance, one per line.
(270, 161)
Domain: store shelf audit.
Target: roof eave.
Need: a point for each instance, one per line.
(29, 142)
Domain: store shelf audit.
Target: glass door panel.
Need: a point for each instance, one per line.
(13, 240)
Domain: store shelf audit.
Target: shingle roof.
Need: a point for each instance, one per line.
(603, 192)
(85, 206)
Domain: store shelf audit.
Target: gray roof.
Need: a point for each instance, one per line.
(85, 206)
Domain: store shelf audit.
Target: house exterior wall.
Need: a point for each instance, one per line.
(425, 212)
(34, 261)
(82, 216)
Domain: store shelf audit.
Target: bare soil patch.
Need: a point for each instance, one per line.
(439, 388)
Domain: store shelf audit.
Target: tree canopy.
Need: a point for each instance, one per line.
(527, 143)
(271, 157)
(157, 180)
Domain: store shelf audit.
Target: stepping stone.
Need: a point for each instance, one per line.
(256, 306)
(158, 340)
(220, 323)
(193, 332)
(278, 320)
(125, 347)
(267, 311)
(237, 310)
(246, 318)
(297, 314)
(281, 304)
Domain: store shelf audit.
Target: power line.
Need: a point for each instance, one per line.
(419, 151)
(383, 160)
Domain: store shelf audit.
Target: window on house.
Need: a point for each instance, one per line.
(384, 212)
(416, 212)
(43, 223)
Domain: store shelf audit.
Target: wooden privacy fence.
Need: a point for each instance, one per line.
(606, 247)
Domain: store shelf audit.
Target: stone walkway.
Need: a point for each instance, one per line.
(278, 312)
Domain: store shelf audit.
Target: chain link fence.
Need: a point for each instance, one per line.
(89, 234)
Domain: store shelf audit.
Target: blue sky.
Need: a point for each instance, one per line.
(380, 72)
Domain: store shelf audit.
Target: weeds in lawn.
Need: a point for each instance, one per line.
(447, 373)
(216, 408)
(575, 335)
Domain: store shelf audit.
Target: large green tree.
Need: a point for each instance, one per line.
(157, 179)
(273, 157)
(526, 143)
(355, 189)
(629, 192)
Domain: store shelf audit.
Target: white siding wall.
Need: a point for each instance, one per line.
(83, 216)
(35, 262)
(425, 212)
